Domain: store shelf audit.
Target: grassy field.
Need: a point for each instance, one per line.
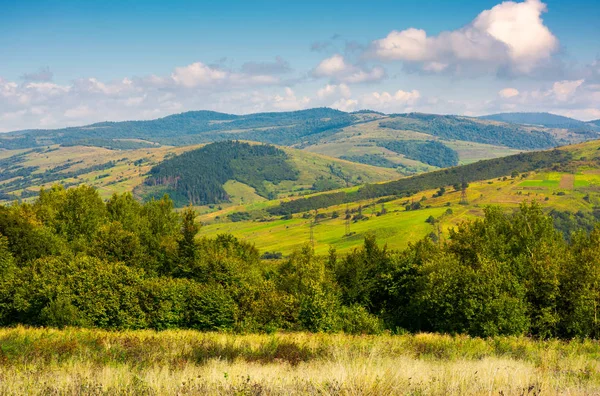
(179, 362)
(398, 227)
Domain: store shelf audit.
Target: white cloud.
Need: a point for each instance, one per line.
(200, 75)
(336, 68)
(289, 101)
(564, 90)
(332, 66)
(385, 101)
(508, 92)
(197, 74)
(345, 104)
(79, 112)
(510, 35)
(334, 90)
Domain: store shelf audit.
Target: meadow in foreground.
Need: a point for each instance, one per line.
(82, 361)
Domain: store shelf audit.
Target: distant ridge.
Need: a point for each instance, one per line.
(544, 119)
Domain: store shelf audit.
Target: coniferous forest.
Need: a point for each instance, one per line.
(70, 259)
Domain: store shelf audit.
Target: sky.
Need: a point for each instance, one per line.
(67, 63)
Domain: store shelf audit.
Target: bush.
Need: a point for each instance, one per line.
(210, 307)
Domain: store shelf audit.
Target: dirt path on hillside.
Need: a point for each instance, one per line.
(567, 182)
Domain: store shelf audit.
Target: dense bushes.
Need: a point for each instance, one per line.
(70, 259)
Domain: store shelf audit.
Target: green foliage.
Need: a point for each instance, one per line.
(429, 152)
(197, 176)
(127, 265)
(211, 307)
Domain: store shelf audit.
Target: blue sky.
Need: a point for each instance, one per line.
(72, 62)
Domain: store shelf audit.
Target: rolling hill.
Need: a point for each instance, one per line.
(23, 172)
(566, 182)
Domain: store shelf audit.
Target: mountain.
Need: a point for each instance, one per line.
(594, 123)
(542, 119)
(411, 143)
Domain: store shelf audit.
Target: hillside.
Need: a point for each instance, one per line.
(565, 182)
(23, 172)
(542, 119)
(472, 139)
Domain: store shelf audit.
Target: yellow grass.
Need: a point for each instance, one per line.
(74, 362)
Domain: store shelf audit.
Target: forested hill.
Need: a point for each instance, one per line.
(595, 123)
(191, 128)
(471, 129)
(544, 119)
(198, 176)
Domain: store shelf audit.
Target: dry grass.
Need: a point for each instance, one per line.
(42, 361)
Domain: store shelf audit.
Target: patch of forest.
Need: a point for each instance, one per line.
(429, 152)
(462, 128)
(198, 176)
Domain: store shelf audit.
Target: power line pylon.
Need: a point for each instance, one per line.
(463, 193)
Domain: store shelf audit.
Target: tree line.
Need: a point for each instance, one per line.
(69, 258)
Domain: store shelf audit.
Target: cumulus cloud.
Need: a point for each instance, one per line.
(511, 35)
(330, 90)
(508, 92)
(345, 104)
(391, 102)
(289, 101)
(339, 70)
(564, 90)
